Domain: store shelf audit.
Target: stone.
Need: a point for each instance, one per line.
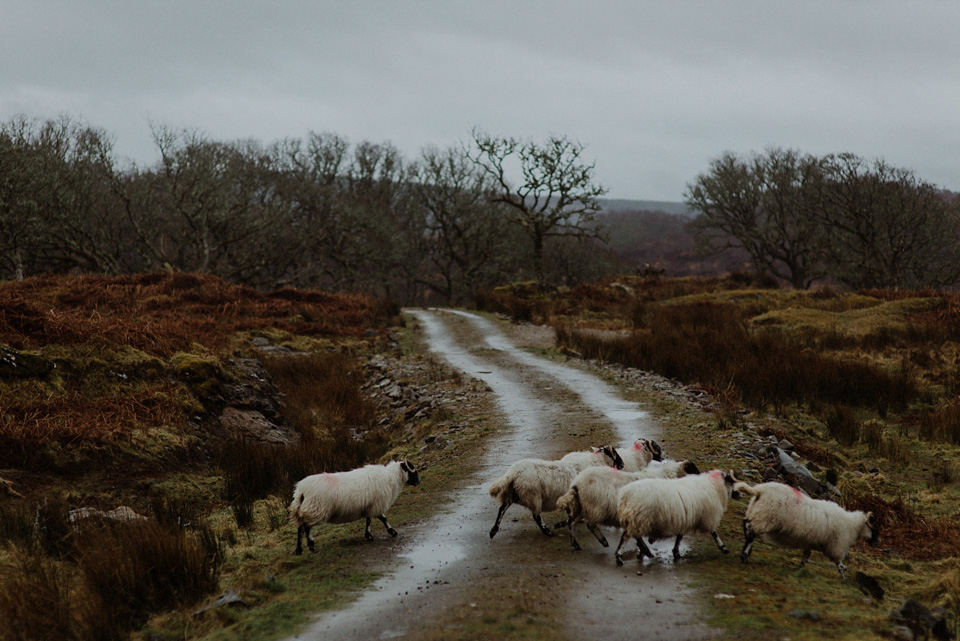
(17, 364)
(253, 424)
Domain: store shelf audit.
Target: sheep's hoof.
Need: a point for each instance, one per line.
(725, 550)
(743, 558)
(676, 555)
(604, 543)
(575, 545)
(493, 531)
(547, 531)
(313, 548)
(392, 532)
(620, 559)
(298, 552)
(368, 536)
(561, 524)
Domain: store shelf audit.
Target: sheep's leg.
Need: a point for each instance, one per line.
(597, 533)
(676, 546)
(716, 539)
(642, 550)
(618, 555)
(366, 533)
(390, 530)
(806, 557)
(299, 549)
(842, 568)
(541, 525)
(309, 536)
(496, 526)
(749, 536)
(573, 540)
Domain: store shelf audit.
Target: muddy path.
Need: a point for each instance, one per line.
(451, 581)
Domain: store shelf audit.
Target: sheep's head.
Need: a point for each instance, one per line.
(689, 467)
(612, 455)
(413, 476)
(656, 450)
(730, 481)
(871, 530)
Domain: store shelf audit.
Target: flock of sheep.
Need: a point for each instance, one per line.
(632, 488)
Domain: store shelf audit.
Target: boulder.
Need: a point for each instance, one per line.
(17, 364)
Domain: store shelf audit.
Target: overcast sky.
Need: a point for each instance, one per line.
(653, 89)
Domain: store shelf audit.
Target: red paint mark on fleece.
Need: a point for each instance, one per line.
(331, 479)
(638, 445)
(797, 494)
(716, 475)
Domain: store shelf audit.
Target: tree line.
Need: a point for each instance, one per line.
(314, 212)
(321, 212)
(836, 218)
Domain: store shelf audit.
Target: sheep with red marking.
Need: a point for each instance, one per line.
(341, 497)
(592, 497)
(660, 508)
(640, 454)
(786, 516)
(536, 484)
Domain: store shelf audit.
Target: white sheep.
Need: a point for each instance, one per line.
(786, 516)
(640, 454)
(659, 508)
(592, 497)
(341, 497)
(536, 484)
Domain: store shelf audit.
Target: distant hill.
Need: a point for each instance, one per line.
(623, 204)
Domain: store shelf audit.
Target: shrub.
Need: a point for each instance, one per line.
(843, 426)
(711, 344)
(941, 425)
(135, 568)
(33, 600)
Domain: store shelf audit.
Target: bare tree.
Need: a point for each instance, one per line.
(554, 195)
(463, 231)
(764, 204)
(886, 227)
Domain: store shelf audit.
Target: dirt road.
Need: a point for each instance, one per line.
(453, 582)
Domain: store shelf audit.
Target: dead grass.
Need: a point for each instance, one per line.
(161, 314)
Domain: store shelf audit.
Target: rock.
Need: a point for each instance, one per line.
(122, 513)
(253, 424)
(17, 364)
(920, 621)
(797, 475)
(903, 633)
(784, 444)
(869, 586)
(229, 597)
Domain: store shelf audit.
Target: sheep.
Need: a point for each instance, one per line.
(592, 497)
(342, 497)
(658, 508)
(639, 455)
(536, 484)
(786, 516)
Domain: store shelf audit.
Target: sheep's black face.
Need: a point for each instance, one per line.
(730, 481)
(656, 450)
(690, 468)
(613, 455)
(413, 476)
(874, 539)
